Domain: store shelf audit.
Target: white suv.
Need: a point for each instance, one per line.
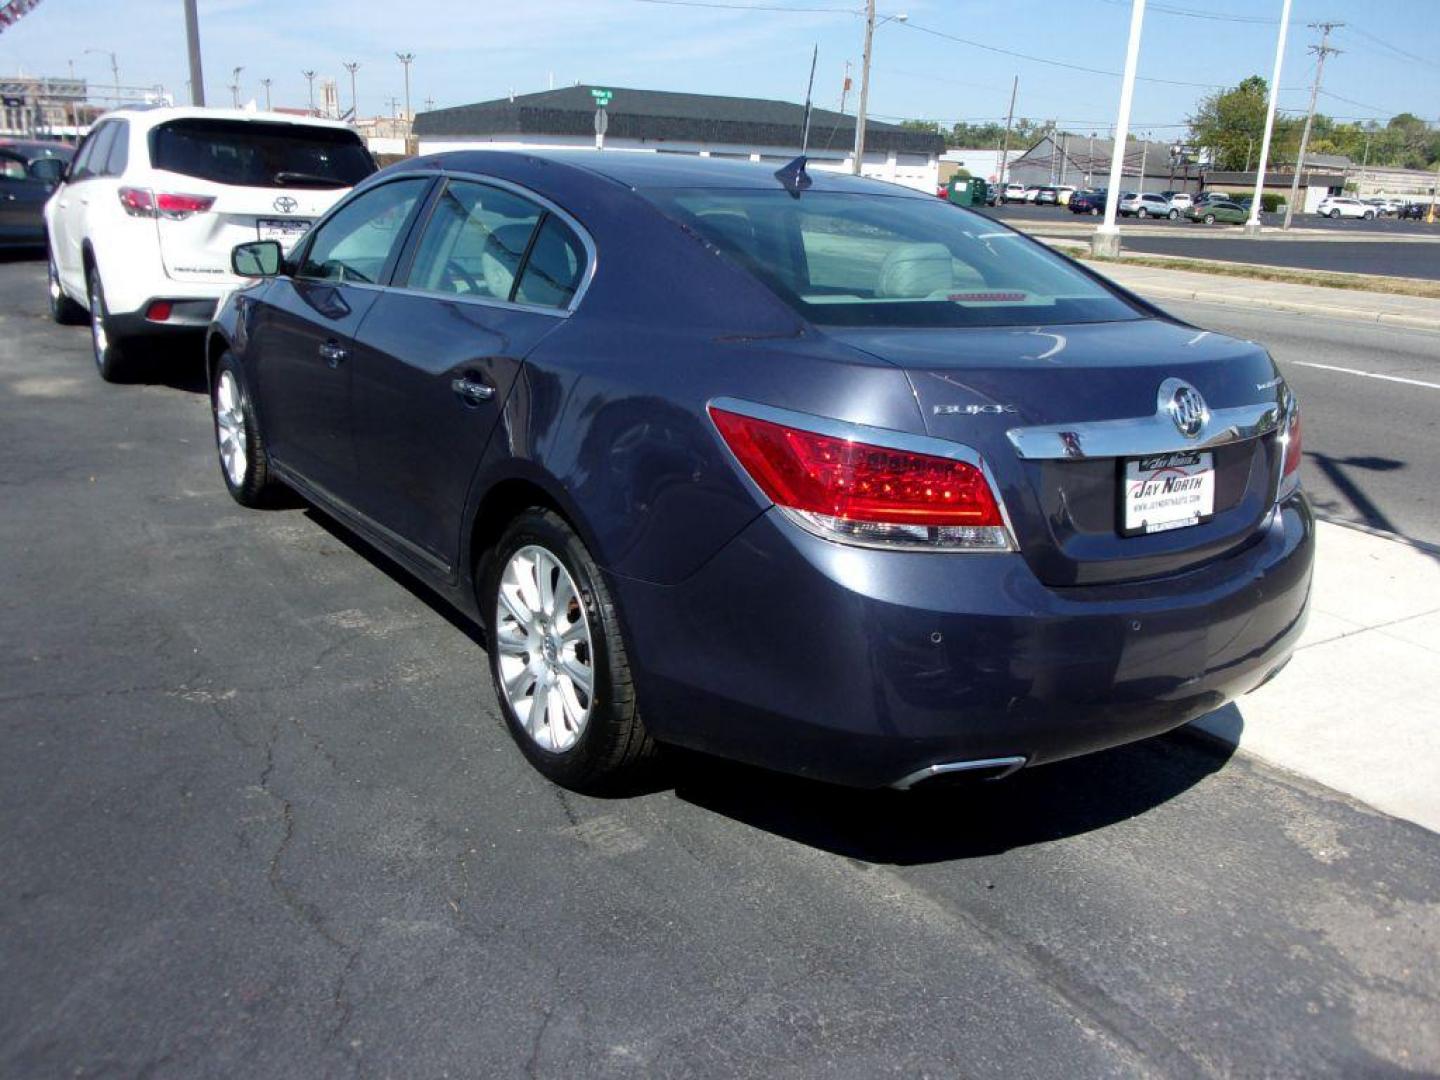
(140, 231)
(1335, 206)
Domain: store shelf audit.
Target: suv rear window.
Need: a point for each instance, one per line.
(249, 154)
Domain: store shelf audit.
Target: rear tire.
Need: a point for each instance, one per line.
(1094, 211)
(63, 310)
(110, 359)
(1334, 215)
(1209, 219)
(1142, 212)
(1174, 215)
(244, 464)
(587, 739)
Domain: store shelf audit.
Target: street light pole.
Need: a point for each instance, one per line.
(1321, 51)
(266, 83)
(192, 45)
(235, 86)
(406, 59)
(1106, 240)
(1009, 119)
(310, 78)
(354, 101)
(1252, 223)
(114, 69)
(870, 25)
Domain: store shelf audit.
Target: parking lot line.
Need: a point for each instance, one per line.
(1368, 374)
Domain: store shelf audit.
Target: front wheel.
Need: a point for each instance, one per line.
(1334, 215)
(63, 310)
(1369, 215)
(1094, 211)
(1142, 212)
(1209, 219)
(1174, 215)
(243, 461)
(557, 658)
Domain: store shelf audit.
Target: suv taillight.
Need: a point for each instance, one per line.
(141, 202)
(867, 493)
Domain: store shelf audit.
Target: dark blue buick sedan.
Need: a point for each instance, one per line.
(800, 469)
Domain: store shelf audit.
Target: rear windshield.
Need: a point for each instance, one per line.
(248, 154)
(846, 259)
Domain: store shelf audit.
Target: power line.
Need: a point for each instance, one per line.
(1394, 48)
(788, 9)
(912, 25)
(1212, 15)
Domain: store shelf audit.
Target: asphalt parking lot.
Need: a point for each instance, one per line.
(261, 819)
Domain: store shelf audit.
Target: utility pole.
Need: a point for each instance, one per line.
(192, 43)
(845, 88)
(235, 86)
(310, 78)
(1321, 51)
(864, 87)
(406, 59)
(1009, 120)
(429, 104)
(1252, 223)
(1434, 191)
(1106, 240)
(266, 83)
(114, 69)
(353, 67)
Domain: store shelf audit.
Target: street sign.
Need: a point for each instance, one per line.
(602, 97)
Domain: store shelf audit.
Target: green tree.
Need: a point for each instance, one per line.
(1231, 123)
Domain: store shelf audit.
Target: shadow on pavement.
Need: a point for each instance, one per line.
(1034, 806)
(1051, 802)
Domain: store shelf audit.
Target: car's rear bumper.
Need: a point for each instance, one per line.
(862, 666)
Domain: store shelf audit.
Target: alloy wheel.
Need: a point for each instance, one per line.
(545, 655)
(230, 431)
(98, 332)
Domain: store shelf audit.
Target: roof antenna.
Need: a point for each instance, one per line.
(794, 177)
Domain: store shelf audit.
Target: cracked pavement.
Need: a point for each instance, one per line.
(260, 819)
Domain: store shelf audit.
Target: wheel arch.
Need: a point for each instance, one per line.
(501, 501)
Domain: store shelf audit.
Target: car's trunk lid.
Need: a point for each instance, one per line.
(1096, 386)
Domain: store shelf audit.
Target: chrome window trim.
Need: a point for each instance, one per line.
(592, 258)
(875, 436)
(1143, 435)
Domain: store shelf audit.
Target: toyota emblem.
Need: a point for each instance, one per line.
(286, 205)
(1186, 407)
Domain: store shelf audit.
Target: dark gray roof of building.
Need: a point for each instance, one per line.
(663, 115)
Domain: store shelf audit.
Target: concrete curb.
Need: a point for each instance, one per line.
(1298, 307)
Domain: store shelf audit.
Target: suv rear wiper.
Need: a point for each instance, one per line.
(306, 178)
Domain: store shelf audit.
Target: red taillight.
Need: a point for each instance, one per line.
(866, 492)
(140, 202)
(137, 202)
(1292, 445)
(183, 205)
(158, 311)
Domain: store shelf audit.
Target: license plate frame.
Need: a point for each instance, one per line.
(1181, 492)
(285, 230)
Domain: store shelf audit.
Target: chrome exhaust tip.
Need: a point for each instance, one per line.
(980, 769)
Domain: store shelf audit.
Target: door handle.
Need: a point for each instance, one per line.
(472, 391)
(332, 353)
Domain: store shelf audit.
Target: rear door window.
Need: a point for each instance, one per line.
(474, 242)
(119, 155)
(95, 152)
(555, 268)
(256, 154)
(357, 242)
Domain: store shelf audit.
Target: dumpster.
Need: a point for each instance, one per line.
(967, 191)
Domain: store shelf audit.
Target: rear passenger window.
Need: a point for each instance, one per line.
(97, 151)
(555, 267)
(119, 155)
(473, 242)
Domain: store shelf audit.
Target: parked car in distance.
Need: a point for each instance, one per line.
(1219, 210)
(1413, 211)
(1342, 206)
(1013, 193)
(1088, 202)
(471, 362)
(1144, 204)
(140, 231)
(29, 172)
(1063, 193)
(1179, 201)
(1046, 195)
(1212, 196)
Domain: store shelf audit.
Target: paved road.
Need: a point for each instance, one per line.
(261, 820)
(1372, 445)
(1366, 250)
(1380, 228)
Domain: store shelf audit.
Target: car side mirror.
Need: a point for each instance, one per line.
(48, 171)
(257, 259)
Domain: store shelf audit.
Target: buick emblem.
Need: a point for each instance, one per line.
(286, 205)
(1186, 407)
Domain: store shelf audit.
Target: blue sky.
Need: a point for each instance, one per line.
(485, 48)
